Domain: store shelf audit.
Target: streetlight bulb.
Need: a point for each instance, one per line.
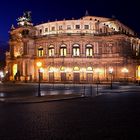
(39, 64)
(111, 70)
(1, 74)
(41, 70)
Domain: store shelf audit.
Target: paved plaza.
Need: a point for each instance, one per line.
(113, 114)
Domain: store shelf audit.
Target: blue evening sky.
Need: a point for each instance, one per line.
(126, 11)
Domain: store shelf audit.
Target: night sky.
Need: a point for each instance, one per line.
(126, 11)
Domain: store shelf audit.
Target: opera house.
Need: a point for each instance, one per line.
(84, 50)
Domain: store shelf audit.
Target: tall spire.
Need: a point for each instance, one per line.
(86, 13)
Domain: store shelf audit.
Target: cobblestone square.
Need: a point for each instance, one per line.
(109, 116)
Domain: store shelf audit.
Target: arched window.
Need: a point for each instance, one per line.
(25, 32)
(62, 69)
(89, 50)
(60, 27)
(51, 50)
(76, 69)
(138, 73)
(63, 50)
(15, 69)
(76, 50)
(89, 69)
(40, 51)
(104, 49)
(53, 28)
(86, 26)
(51, 69)
(109, 48)
(77, 26)
(137, 50)
(100, 30)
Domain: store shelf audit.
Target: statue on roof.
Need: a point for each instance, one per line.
(27, 14)
(12, 27)
(87, 13)
(25, 19)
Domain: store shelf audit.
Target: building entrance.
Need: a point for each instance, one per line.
(76, 77)
(63, 76)
(89, 77)
(51, 77)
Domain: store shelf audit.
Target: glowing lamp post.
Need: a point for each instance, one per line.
(125, 71)
(111, 74)
(39, 64)
(1, 75)
(98, 80)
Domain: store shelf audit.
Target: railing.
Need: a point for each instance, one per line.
(86, 34)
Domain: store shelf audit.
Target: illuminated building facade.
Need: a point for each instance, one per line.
(73, 51)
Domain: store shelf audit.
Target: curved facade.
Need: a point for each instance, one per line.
(86, 50)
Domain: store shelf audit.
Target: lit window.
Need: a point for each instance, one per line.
(86, 26)
(89, 69)
(51, 50)
(138, 73)
(68, 27)
(76, 50)
(40, 52)
(89, 50)
(51, 69)
(77, 26)
(137, 51)
(76, 69)
(15, 67)
(62, 68)
(63, 50)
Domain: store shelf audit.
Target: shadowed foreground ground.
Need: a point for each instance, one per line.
(113, 116)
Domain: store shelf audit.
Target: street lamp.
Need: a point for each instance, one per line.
(125, 71)
(39, 64)
(98, 80)
(111, 74)
(1, 75)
